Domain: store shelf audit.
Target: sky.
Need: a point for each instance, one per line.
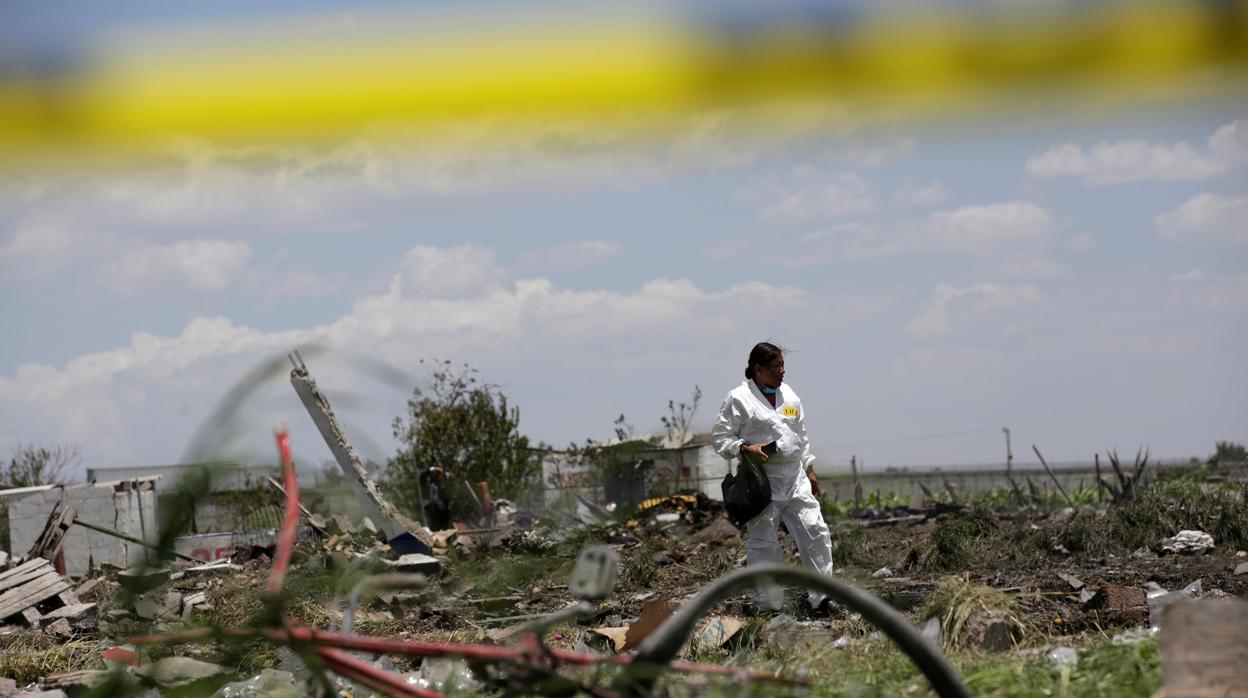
(1076, 275)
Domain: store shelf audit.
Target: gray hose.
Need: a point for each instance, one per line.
(657, 651)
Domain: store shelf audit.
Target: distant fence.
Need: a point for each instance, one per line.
(972, 479)
(910, 481)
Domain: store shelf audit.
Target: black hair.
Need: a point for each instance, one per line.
(763, 354)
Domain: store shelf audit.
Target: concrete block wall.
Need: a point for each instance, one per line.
(128, 511)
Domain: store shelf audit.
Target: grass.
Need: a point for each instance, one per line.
(956, 601)
(876, 668)
(955, 538)
(1159, 510)
(1104, 670)
(27, 657)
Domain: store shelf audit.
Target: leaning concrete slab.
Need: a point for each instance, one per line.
(376, 507)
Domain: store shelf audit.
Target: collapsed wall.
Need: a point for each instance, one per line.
(127, 506)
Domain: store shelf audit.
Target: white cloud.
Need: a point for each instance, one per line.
(1230, 142)
(1118, 162)
(875, 155)
(1207, 217)
(435, 271)
(201, 265)
(840, 242)
(926, 195)
(1081, 242)
(809, 194)
(1211, 293)
(1026, 267)
(1125, 161)
(936, 319)
(35, 249)
(574, 255)
(109, 401)
(984, 228)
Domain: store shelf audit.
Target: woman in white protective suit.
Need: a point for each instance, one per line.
(762, 410)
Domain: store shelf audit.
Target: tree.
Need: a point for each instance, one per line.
(31, 466)
(28, 467)
(1228, 452)
(678, 422)
(468, 429)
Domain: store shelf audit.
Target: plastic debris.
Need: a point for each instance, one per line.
(1159, 598)
(445, 675)
(270, 683)
(1131, 637)
(1188, 543)
(931, 629)
(1064, 657)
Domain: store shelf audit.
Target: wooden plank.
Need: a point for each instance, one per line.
(49, 543)
(24, 567)
(29, 575)
(33, 587)
(23, 597)
(32, 617)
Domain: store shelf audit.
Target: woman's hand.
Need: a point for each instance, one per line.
(815, 489)
(755, 451)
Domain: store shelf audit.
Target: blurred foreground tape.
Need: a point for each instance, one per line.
(309, 79)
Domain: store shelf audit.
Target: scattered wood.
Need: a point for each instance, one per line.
(953, 494)
(27, 585)
(73, 612)
(1074, 582)
(83, 678)
(49, 543)
(893, 520)
(653, 615)
(1053, 476)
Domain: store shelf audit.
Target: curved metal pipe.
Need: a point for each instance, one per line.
(657, 651)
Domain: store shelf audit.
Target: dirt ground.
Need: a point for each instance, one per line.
(1054, 576)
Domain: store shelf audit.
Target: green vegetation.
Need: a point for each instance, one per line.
(874, 668)
(955, 538)
(468, 429)
(1161, 509)
(1228, 452)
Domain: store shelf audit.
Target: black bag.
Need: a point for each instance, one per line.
(747, 493)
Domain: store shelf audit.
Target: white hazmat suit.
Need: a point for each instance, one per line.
(746, 417)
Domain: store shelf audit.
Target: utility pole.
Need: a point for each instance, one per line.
(1009, 453)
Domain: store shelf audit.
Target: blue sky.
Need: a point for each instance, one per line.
(1075, 275)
